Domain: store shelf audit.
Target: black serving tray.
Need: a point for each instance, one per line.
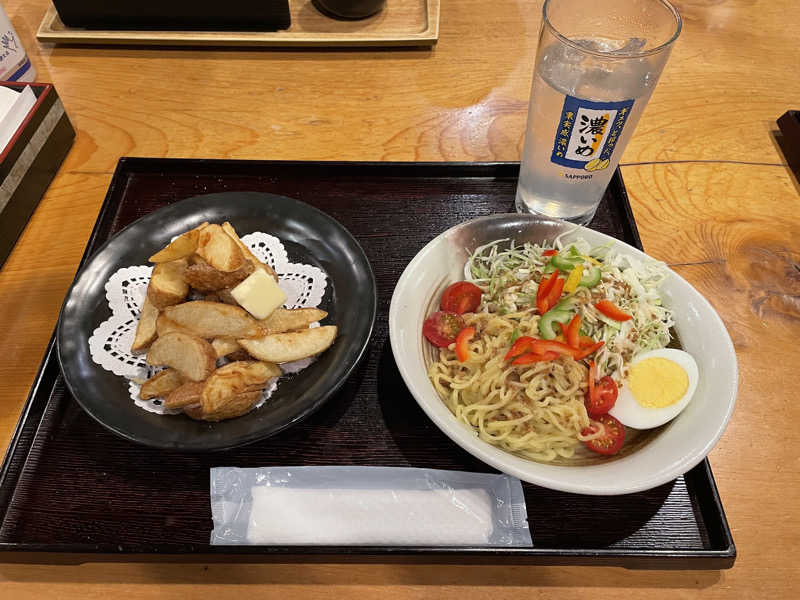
(71, 491)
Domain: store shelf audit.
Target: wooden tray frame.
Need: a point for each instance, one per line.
(342, 34)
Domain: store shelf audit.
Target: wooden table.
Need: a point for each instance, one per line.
(710, 190)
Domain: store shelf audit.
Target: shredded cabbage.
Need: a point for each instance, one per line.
(509, 275)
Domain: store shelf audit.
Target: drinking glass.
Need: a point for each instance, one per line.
(596, 67)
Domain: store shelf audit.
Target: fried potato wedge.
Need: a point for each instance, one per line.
(213, 319)
(294, 345)
(161, 384)
(205, 278)
(226, 297)
(233, 379)
(240, 354)
(181, 247)
(236, 407)
(291, 319)
(146, 328)
(224, 346)
(219, 250)
(184, 395)
(228, 228)
(167, 284)
(191, 356)
(164, 325)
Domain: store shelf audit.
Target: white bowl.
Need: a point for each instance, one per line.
(676, 449)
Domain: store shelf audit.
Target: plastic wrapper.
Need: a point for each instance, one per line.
(366, 506)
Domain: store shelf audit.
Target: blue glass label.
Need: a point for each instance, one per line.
(588, 132)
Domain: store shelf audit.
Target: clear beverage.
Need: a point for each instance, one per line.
(587, 96)
(557, 190)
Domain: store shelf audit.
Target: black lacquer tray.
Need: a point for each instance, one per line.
(71, 491)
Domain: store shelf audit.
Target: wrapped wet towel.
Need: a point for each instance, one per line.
(374, 506)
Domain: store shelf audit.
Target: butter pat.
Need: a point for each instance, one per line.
(259, 294)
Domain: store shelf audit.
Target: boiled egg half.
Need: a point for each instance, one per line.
(660, 384)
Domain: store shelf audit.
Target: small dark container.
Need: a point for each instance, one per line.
(350, 9)
(235, 15)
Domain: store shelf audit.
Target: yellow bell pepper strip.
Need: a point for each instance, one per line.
(574, 279)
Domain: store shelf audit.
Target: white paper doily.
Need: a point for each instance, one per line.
(110, 344)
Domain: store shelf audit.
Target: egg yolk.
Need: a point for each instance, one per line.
(657, 382)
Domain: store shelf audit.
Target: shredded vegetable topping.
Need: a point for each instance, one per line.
(509, 275)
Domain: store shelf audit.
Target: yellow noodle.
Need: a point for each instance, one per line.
(535, 411)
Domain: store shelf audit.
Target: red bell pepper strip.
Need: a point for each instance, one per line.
(520, 347)
(541, 305)
(572, 332)
(587, 351)
(528, 345)
(543, 346)
(585, 341)
(532, 357)
(611, 310)
(544, 288)
(462, 343)
(551, 252)
(553, 294)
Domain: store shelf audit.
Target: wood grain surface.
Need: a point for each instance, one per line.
(709, 187)
(400, 23)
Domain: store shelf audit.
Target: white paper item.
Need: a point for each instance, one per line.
(436, 517)
(366, 506)
(14, 107)
(126, 289)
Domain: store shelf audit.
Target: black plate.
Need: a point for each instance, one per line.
(309, 236)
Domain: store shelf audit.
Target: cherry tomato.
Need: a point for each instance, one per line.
(611, 441)
(602, 399)
(442, 327)
(461, 297)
